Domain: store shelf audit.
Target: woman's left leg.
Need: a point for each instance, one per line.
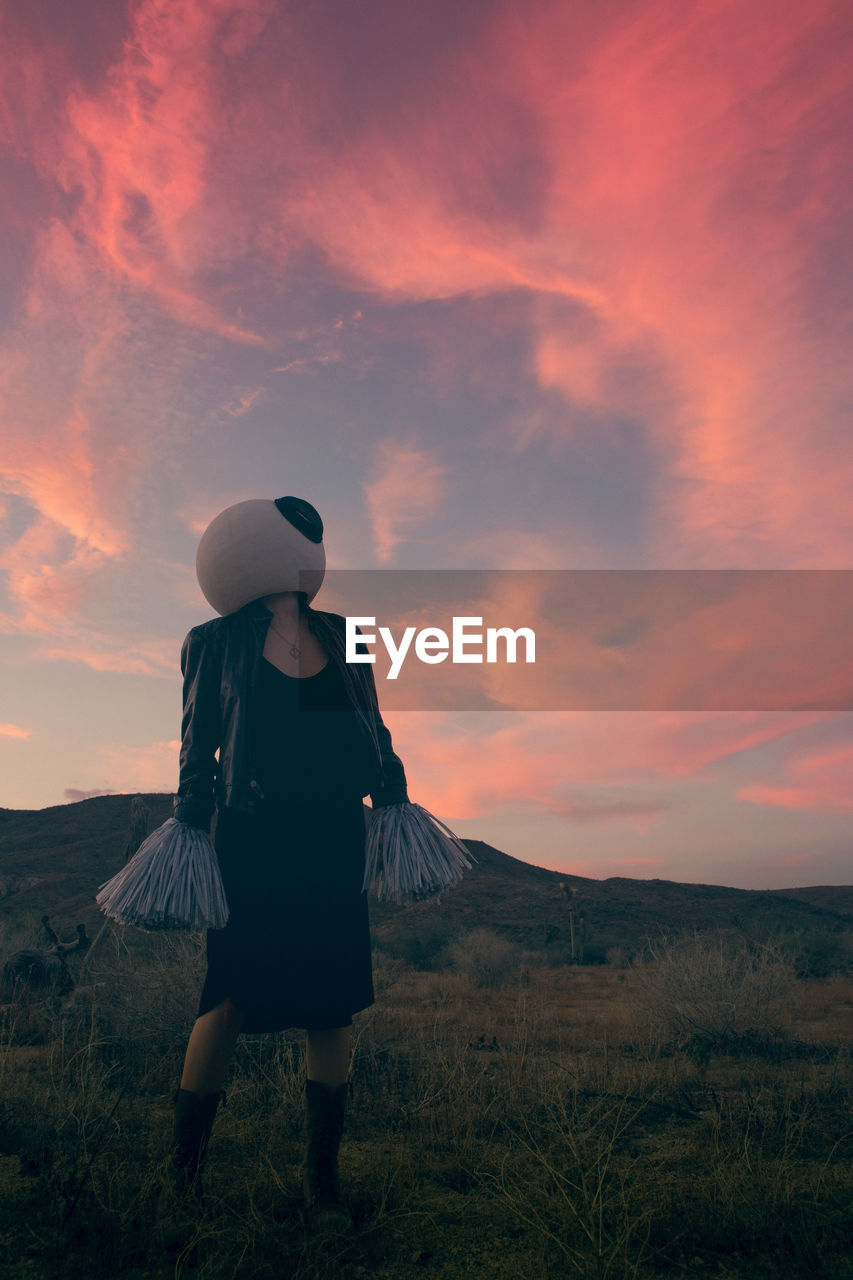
(327, 1055)
(327, 1061)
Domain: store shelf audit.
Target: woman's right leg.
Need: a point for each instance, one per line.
(208, 1057)
(210, 1049)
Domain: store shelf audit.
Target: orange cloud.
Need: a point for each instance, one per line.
(74, 795)
(153, 768)
(14, 731)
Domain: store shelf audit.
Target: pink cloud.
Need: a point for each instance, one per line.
(47, 576)
(403, 491)
(611, 768)
(641, 864)
(508, 548)
(87, 393)
(243, 403)
(139, 150)
(653, 184)
(59, 448)
(816, 780)
(694, 159)
(777, 862)
(109, 652)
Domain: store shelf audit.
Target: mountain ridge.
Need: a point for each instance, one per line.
(53, 860)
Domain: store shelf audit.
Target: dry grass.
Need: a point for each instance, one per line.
(549, 1125)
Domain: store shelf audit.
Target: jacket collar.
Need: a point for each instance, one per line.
(257, 611)
(259, 614)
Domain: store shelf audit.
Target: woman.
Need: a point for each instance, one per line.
(300, 742)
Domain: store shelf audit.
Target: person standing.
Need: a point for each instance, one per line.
(281, 739)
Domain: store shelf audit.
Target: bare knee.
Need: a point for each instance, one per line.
(225, 1014)
(328, 1035)
(229, 1013)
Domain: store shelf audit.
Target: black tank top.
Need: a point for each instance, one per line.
(307, 739)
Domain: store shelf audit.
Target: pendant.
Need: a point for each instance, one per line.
(294, 652)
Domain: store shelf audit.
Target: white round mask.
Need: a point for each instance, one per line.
(260, 547)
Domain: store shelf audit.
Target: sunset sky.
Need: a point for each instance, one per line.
(501, 284)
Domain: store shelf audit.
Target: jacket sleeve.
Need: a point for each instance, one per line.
(394, 790)
(200, 731)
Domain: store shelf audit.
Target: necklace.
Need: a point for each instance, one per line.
(295, 651)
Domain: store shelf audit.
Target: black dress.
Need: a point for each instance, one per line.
(296, 949)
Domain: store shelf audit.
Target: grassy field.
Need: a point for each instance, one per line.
(690, 1117)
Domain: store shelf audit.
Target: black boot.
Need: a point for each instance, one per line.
(194, 1118)
(325, 1113)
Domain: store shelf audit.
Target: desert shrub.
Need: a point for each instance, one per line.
(486, 958)
(821, 954)
(560, 1176)
(422, 947)
(502, 1137)
(712, 989)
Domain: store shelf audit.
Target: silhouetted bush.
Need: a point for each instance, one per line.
(486, 958)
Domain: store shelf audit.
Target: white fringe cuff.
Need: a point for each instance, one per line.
(410, 854)
(171, 882)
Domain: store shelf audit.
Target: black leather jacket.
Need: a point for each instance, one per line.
(219, 663)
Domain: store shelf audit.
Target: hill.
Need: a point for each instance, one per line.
(53, 860)
(532, 905)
